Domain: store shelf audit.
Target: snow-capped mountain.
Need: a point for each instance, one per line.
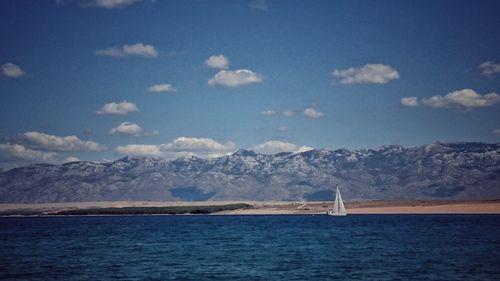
(435, 171)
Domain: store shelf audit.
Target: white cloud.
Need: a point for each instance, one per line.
(367, 74)
(197, 145)
(275, 146)
(71, 159)
(260, 5)
(127, 129)
(121, 108)
(489, 68)
(182, 146)
(162, 88)
(303, 148)
(268, 112)
(409, 101)
(11, 70)
(312, 113)
(217, 61)
(288, 113)
(139, 50)
(139, 150)
(47, 142)
(18, 152)
(466, 98)
(110, 4)
(235, 78)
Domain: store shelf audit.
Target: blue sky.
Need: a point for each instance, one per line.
(100, 79)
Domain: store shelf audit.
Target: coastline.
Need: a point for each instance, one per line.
(276, 207)
(379, 207)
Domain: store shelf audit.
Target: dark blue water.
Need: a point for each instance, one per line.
(361, 247)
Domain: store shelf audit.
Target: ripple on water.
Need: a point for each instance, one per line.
(365, 247)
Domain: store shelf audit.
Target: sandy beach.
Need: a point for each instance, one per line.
(280, 207)
(378, 207)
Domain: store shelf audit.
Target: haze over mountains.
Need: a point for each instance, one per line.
(451, 171)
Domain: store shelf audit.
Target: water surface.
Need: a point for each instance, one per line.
(356, 247)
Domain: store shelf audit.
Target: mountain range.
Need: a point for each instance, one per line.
(438, 171)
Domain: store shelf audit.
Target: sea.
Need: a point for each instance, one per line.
(251, 247)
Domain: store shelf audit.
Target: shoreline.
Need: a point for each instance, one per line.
(271, 207)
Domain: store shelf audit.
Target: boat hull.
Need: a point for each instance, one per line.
(335, 214)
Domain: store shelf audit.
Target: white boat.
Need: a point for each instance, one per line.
(338, 206)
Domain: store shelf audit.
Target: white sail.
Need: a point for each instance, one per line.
(341, 209)
(338, 206)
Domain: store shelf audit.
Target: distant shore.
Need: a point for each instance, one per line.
(377, 207)
(275, 207)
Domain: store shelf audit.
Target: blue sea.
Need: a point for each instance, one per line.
(356, 247)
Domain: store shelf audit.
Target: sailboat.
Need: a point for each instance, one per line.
(338, 206)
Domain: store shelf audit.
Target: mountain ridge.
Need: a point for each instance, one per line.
(454, 171)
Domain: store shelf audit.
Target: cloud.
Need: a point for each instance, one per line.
(489, 68)
(15, 155)
(303, 148)
(138, 50)
(11, 70)
(235, 78)
(19, 152)
(121, 108)
(162, 88)
(126, 129)
(139, 150)
(496, 132)
(466, 98)
(268, 112)
(110, 4)
(275, 146)
(197, 145)
(409, 101)
(47, 142)
(71, 159)
(367, 74)
(288, 113)
(217, 61)
(312, 113)
(182, 146)
(260, 5)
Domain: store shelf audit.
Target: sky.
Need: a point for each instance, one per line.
(98, 80)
